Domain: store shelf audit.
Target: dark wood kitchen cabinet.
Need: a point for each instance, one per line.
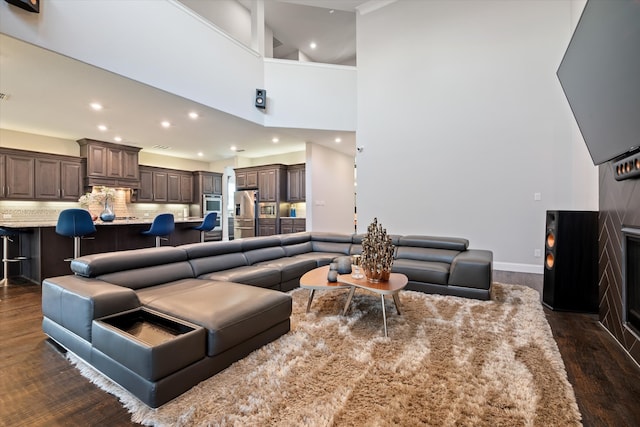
(29, 175)
(110, 164)
(144, 193)
(207, 183)
(267, 185)
(160, 185)
(57, 179)
(18, 174)
(186, 187)
(292, 225)
(246, 179)
(267, 227)
(296, 183)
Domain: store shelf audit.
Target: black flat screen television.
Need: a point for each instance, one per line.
(600, 76)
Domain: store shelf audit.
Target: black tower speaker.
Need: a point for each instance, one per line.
(261, 98)
(571, 261)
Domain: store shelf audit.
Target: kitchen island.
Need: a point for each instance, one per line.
(46, 250)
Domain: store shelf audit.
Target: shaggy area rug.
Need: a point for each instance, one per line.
(447, 362)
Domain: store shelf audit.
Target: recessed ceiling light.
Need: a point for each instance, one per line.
(193, 115)
(117, 139)
(233, 148)
(275, 140)
(200, 154)
(338, 140)
(96, 106)
(313, 45)
(331, 11)
(102, 128)
(165, 124)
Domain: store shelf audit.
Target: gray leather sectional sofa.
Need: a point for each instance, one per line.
(160, 320)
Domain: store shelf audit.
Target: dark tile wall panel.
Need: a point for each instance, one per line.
(619, 205)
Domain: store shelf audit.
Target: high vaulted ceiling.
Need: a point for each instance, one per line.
(47, 94)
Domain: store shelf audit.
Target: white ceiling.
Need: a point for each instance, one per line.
(48, 94)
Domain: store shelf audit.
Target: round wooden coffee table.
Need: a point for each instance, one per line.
(316, 279)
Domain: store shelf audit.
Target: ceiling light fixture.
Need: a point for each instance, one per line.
(275, 140)
(95, 106)
(102, 128)
(233, 148)
(165, 124)
(193, 115)
(313, 45)
(338, 140)
(200, 154)
(117, 139)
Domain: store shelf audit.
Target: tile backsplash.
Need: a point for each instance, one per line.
(14, 210)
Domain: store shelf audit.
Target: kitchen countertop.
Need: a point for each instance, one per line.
(129, 221)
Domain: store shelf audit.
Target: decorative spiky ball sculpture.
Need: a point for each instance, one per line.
(377, 253)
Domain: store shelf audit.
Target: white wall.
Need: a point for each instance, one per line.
(330, 190)
(32, 142)
(463, 120)
(232, 17)
(159, 43)
(310, 95)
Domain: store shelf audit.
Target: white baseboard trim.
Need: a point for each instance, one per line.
(518, 268)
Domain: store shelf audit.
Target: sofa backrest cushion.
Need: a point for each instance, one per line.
(206, 265)
(103, 263)
(298, 248)
(207, 249)
(451, 243)
(331, 242)
(251, 243)
(426, 254)
(295, 238)
(264, 254)
(138, 278)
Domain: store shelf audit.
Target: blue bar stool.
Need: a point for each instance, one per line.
(162, 225)
(208, 224)
(6, 235)
(76, 223)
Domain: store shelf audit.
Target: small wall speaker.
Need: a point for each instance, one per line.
(261, 98)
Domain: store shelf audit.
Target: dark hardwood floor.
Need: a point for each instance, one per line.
(38, 387)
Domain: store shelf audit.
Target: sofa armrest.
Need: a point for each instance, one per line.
(73, 302)
(473, 269)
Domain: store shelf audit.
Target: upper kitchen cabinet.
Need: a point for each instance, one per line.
(207, 183)
(160, 185)
(296, 183)
(58, 179)
(17, 176)
(110, 164)
(269, 180)
(179, 186)
(28, 175)
(246, 179)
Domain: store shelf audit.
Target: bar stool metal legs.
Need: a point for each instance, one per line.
(6, 238)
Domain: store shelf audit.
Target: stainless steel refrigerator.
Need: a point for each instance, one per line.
(244, 220)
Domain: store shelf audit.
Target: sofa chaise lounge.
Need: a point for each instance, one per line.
(158, 321)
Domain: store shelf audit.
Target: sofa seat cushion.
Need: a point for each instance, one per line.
(264, 277)
(291, 267)
(231, 312)
(321, 258)
(422, 271)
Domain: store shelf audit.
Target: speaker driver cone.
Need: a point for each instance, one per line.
(550, 260)
(551, 239)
